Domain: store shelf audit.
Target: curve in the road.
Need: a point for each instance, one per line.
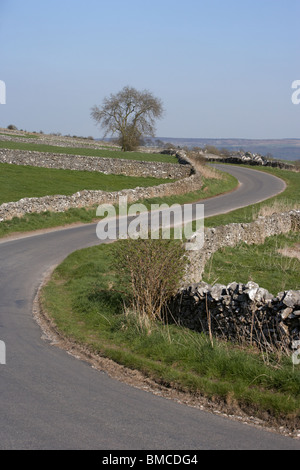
(50, 400)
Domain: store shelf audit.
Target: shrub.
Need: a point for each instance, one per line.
(212, 149)
(150, 272)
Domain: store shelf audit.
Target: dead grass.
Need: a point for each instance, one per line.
(277, 207)
(291, 252)
(199, 163)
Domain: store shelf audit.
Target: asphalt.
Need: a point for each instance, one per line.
(49, 400)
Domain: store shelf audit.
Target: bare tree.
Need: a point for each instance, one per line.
(129, 115)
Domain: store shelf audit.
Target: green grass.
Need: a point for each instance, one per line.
(32, 222)
(88, 152)
(291, 195)
(24, 136)
(263, 264)
(86, 307)
(47, 220)
(17, 182)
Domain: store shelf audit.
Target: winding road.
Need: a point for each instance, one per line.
(51, 400)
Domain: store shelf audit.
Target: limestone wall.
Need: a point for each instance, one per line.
(231, 234)
(115, 166)
(245, 313)
(187, 180)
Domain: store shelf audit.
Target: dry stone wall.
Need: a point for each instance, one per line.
(244, 313)
(87, 198)
(249, 159)
(59, 141)
(230, 235)
(115, 166)
(187, 181)
(239, 312)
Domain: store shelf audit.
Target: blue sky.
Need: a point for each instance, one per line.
(223, 68)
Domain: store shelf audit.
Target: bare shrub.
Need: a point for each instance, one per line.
(212, 149)
(150, 272)
(296, 166)
(200, 164)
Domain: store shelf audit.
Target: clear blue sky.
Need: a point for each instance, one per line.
(223, 68)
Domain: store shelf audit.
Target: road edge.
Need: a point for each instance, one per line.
(136, 379)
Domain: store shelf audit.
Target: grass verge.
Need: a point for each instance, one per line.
(85, 306)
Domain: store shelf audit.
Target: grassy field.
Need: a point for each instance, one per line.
(83, 300)
(38, 147)
(265, 264)
(17, 182)
(22, 136)
(31, 222)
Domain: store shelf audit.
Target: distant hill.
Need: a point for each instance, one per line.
(283, 149)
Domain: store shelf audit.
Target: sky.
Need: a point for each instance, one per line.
(222, 68)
